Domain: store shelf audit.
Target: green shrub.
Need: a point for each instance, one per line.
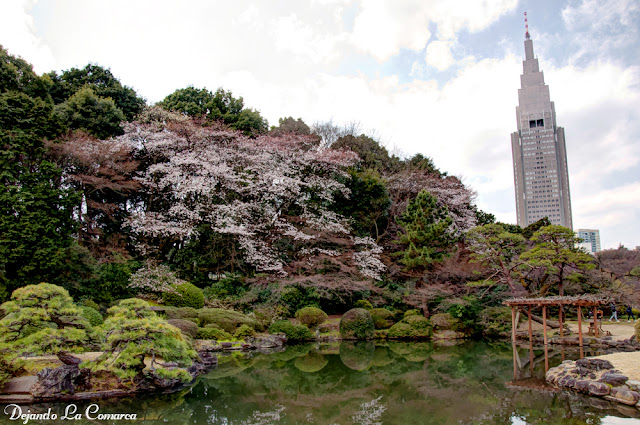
(243, 332)
(297, 297)
(187, 327)
(496, 322)
(637, 326)
(92, 315)
(402, 330)
(181, 313)
(382, 318)
(411, 313)
(227, 320)
(311, 316)
(363, 304)
(211, 332)
(90, 303)
(418, 322)
(230, 286)
(293, 332)
(186, 295)
(357, 324)
(443, 321)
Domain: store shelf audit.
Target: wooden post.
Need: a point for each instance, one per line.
(515, 361)
(546, 358)
(513, 324)
(544, 323)
(595, 321)
(530, 331)
(580, 325)
(560, 320)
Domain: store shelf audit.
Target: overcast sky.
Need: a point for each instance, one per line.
(438, 77)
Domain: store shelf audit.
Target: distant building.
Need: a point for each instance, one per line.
(590, 239)
(539, 153)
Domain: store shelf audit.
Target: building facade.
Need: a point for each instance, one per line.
(539, 152)
(590, 239)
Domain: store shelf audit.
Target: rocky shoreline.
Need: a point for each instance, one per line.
(596, 377)
(70, 382)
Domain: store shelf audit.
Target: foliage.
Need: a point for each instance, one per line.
(184, 295)
(289, 125)
(555, 254)
(102, 82)
(92, 315)
(297, 297)
(16, 75)
(293, 332)
(363, 304)
(528, 231)
(187, 327)
(637, 328)
(227, 320)
(495, 322)
(244, 331)
(181, 313)
(418, 322)
(230, 286)
(134, 332)
(98, 116)
(211, 332)
(426, 232)
(42, 319)
(367, 258)
(382, 318)
(466, 311)
(412, 312)
(403, 330)
(443, 321)
(373, 156)
(311, 316)
(499, 250)
(357, 324)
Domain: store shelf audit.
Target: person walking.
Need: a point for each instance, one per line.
(630, 315)
(614, 313)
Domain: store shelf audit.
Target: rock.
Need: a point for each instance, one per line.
(267, 341)
(599, 403)
(626, 396)
(627, 410)
(634, 385)
(594, 364)
(226, 345)
(68, 359)
(582, 386)
(613, 379)
(448, 334)
(599, 388)
(60, 381)
(592, 376)
(21, 385)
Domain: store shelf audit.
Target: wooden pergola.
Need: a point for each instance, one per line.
(588, 301)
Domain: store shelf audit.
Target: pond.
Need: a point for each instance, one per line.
(367, 383)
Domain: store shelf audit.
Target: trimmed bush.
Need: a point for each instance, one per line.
(404, 330)
(357, 324)
(243, 332)
(181, 313)
(293, 332)
(92, 315)
(382, 318)
(186, 295)
(411, 313)
(90, 303)
(442, 321)
(418, 322)
(187, 327)
(227, 320)
(311, 316)
(496, 322)
(363, 304)
(214, 333)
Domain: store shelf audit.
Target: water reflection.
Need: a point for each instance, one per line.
(363, 383)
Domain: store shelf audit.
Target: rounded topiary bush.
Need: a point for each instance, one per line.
(293, 332)
(413, 312)
(187, 327)
(418, 322)
(402, 330)
(363, 304)
(92, 315)
(227, 320)
(382, 318)
(357, 324)
(186, 295)
(311, 316)
(215, 333)
(181, 313)
(243, 332)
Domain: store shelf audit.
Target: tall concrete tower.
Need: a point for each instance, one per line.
(539, 152)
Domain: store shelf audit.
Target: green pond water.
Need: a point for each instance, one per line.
(367, 383)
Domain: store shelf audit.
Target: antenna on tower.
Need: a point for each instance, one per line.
(526, 26)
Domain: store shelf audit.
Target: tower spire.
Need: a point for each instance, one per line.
(526, 27)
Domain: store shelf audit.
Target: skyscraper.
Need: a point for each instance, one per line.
(590, 239)
(539, 153)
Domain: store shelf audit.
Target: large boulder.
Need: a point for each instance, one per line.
(357, 324)
(60, 381)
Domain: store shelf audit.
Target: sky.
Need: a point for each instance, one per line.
(436, 77)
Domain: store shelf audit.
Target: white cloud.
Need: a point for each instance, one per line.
(439, 55)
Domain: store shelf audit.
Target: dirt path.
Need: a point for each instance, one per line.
(627, 363)
(619, 330)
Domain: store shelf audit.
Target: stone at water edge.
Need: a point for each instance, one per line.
(614, 379)
(582, 386)
(599, 389)
(625, 396)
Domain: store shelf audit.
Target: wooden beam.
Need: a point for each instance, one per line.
(560, 320)
(513, 324)
(530, 330)
(595, 321)
(544, 323)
